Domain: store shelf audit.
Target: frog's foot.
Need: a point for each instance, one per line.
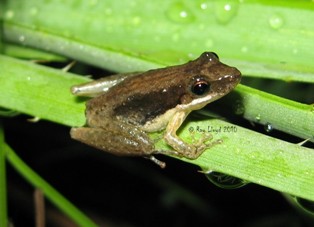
(156, 161)
(205, 142)
(199, 146)
(190, 151)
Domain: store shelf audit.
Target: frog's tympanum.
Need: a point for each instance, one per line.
(120, 118)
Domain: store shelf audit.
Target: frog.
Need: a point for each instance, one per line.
(121, 116)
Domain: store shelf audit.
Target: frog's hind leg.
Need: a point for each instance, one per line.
(115, 143)
(119, 143)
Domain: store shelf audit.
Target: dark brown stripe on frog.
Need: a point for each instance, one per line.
(139, 109)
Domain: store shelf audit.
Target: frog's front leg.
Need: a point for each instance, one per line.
(191, 151)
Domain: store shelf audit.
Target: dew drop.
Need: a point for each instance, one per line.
(136, 20)
(178, 12)
(268, 127)
(21, 38)
(305, 204)
(204, 5)
(258, 118)
(33, 11)
(201, 26)
(81, 47)
(93, 2)
(175, 37)
(225, 11)
(108, 11)
(9, 14)
(238, 108)
(275, 22)
(227, 7)
(295, 51)
(209, 43)
(244, 49)
(225, 181)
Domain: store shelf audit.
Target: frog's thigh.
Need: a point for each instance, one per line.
(115, 143)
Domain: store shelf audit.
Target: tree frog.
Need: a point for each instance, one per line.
(120, 118)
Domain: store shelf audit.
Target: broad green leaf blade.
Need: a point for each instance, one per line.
(106, 58)
(47, 89)
(169, 32)
(44, 92)
(254, 157)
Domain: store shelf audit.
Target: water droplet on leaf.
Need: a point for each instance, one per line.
(21, 38)
(225, 181)
(268, 127)
(225, 11)
(244, 49)
(275, 22)
(209, 43)
(178, 12)
(33, 11)
(305, 204)
(238, 108)
(9, 14)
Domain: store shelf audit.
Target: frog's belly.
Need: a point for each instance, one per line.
(159, 123)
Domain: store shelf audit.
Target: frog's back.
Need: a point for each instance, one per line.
(139, 99)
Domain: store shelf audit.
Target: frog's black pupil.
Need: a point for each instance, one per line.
(200, 87)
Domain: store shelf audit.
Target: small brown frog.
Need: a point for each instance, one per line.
(120, 118)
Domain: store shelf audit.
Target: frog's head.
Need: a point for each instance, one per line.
(209, 80)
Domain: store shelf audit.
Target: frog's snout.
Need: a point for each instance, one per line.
(235, 75)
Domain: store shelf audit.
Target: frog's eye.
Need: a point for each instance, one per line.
(200, 87)
(213, 53)
(211, 56)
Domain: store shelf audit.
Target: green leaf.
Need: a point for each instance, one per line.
(262, 38)
(30, 53)
(48, 91)
(44, 92)
(276, 45)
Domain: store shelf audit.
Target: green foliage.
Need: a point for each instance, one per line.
(261, 38)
